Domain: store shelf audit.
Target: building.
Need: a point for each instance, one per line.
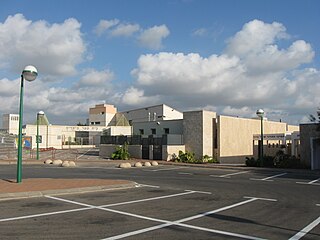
(10, 122)
(229, 139)
(310, 145)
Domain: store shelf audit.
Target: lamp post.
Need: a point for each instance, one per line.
(260, 114)
(29, 73)
(39, 114)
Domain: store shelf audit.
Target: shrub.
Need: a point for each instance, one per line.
(208, 159)
(121, 153)
(251, 162)
(187, 157)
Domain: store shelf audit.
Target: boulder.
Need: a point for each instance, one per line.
(48, 161)
(72, 164)
(154, 163)
(65, 164)
(147, 164)
(125, 165)
(138, 164)
(57, 162)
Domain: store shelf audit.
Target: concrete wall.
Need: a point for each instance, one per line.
(199, 132)
(168, 151)
(193, 131)
(307, 131)
(235, 137)
(135, 151)
(10, 122)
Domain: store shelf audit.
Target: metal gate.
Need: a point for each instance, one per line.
(145, 148)
(157, 148)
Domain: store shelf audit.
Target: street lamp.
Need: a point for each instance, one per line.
(260, 114)
(29, 73)
(39, 114)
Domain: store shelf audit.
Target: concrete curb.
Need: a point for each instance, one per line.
(17, 195)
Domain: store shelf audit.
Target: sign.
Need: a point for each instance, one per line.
(39, 139)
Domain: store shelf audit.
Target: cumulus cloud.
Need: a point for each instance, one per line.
(152, 37)
(104, 25)
(55, 49)
(149, 38)
(124, 30)
(135, 97)
(252, 72)
(96, 78)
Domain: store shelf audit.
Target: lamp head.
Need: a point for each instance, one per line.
(260, 113)
(41, 113)
(30, 73)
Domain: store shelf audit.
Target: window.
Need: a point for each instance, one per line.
(166, 130)
(141, 131)
(97, 123)
(153, 131)
(92, 123)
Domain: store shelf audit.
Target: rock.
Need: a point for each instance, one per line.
(147, 164)
(48, 161)
(57, 162)
(138, 164)
(154, 163)
(72, 164)
(65, 164)
(125, 165)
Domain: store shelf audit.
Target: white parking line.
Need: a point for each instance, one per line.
(230, 174)
(84, 153)
(165, 169)
(198, 191)
(305, 230)
(180, 223)
(89, 208)
(313, 182)
(185, 173)
(268, 178)
(146, 185)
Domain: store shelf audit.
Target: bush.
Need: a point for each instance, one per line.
(251, 162)
(187, 157)
(121, 153)
(208, 159)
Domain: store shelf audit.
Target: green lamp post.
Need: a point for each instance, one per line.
(260, 114)
(29, 73)
(39, 114)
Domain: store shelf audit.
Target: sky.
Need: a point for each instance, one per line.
(228, 56)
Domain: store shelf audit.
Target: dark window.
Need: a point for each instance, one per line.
(141, 131)
(96, 123)
(92, 123)
(166, 130)
(153, 131)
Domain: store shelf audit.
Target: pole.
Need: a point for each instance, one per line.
(261, 145)
(37, 138)
(19, 162)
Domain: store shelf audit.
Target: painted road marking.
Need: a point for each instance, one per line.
(146, 185)
(268, 178)
(169, 223)
(264, 199)
(165, 169)
(198, 191)
(89, 208)
(232, 174)
(180, 223)
(313, 182)
(305, 230)
(84, 153)
(185, 173)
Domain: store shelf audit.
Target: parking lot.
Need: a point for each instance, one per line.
(172, 202)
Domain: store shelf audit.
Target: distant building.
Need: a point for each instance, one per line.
(10, 122)
(310, 145)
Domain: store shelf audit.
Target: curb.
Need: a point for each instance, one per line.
(17, 195)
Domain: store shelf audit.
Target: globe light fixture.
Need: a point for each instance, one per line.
(29, 73)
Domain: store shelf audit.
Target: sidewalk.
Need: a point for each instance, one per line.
(37, 187)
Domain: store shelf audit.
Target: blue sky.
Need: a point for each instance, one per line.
(230, 56)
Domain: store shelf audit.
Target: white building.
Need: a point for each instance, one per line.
(10, 122)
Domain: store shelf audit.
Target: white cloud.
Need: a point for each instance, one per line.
(55, 49)
(254, 72)
(152, 37)
(124, 30)
(96, 78)
(200, 32)
(104, 25)
(135, 97)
